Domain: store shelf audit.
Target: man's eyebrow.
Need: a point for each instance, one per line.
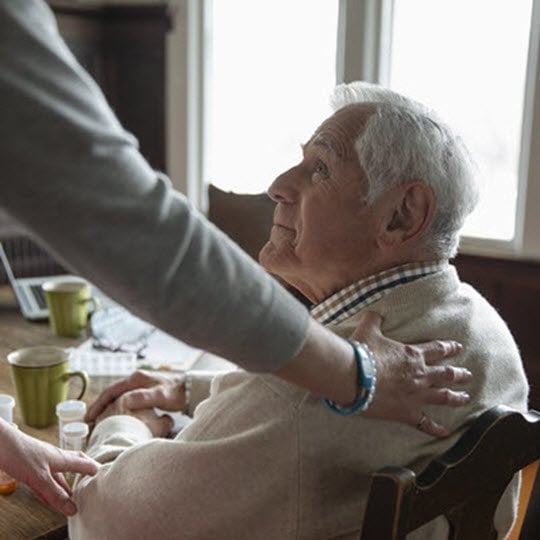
(323, 140)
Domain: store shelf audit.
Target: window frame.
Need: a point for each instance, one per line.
(364, 48)
(189, 45)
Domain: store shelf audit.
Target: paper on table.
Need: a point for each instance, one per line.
(165, 352)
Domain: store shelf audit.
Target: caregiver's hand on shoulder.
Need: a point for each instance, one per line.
(409, 377)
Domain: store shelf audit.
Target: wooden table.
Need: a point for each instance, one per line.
(22, 515)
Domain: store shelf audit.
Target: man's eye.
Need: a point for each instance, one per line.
(320, 169)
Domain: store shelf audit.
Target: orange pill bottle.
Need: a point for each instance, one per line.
(7, 484)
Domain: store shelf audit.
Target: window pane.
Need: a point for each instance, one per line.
(467, 59)
(273, 69)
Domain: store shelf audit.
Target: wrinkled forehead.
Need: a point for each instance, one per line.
(339, 132)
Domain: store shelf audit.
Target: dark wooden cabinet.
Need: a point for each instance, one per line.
(124, 49)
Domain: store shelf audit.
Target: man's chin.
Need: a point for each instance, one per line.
(265, 255)
(271, 258)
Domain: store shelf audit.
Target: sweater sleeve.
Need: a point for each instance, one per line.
(75, 179)
(201, 382)
(233, 474)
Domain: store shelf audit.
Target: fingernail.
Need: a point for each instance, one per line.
(69, 508)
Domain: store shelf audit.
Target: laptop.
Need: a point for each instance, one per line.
(30, 295)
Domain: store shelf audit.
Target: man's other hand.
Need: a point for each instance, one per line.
(142, 390)
(160, 426)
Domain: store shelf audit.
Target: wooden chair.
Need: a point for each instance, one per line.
(464, 484)
(247, 219)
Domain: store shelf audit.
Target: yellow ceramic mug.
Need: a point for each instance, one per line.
(40, 376)
(68, 306)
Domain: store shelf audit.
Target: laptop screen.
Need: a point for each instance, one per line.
(27, 259)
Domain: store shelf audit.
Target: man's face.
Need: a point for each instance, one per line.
(323, 235)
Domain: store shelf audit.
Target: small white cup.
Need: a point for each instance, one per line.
(7, 403)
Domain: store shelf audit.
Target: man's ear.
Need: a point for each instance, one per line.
(408, 215)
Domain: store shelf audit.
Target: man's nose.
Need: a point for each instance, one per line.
(284, 189)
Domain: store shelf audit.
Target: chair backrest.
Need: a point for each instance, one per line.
(247, 219)
(465, 484)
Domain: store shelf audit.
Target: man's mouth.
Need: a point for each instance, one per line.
(280, 233)
(281, 226)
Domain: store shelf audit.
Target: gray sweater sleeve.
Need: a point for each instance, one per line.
(74, 178)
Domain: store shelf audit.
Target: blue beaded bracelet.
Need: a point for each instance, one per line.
(366, 379)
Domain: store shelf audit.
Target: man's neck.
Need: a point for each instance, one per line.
(318, 291)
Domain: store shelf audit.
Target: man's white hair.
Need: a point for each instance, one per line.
(405, 141)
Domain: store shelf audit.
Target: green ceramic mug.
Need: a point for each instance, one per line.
(68, 302)
(40, 376)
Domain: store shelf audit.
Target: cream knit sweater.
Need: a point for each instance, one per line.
(263, 459)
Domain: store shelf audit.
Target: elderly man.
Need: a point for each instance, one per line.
(367, 219)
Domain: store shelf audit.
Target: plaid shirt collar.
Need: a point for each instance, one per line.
(353, 298)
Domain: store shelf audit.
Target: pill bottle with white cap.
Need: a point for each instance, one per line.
(71, 410)
(7, 403)
(74, 435)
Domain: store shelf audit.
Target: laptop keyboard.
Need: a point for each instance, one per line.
(39, 296)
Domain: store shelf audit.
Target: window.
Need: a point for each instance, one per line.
(274, 63)
(468, 60)
(272, 72)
